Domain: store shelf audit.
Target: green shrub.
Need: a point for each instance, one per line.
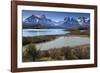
(31, 53)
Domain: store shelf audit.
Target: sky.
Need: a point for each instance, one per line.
(55, 16)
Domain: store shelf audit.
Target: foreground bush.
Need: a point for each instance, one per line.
(71, 54)
(31, 53)
(78, 52)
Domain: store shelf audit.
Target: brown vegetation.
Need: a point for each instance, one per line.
(64, 53)
(78, 32)
(38, 39)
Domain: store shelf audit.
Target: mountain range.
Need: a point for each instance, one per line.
(67, 22)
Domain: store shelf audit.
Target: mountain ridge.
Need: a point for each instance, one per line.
(42, 20)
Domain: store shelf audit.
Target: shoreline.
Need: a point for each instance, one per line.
(63, 41)
(47, 43)
(41, 39)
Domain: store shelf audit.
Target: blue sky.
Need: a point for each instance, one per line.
(55, 16)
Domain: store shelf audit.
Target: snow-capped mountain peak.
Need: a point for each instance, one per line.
(68, 21)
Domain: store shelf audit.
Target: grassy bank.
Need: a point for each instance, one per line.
(38, 39)
(63, 53)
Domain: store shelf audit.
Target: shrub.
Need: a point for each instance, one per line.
(31, 53)
(56, 54)
(71, 54)
(83, 52)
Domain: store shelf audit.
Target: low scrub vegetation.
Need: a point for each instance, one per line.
(64, 53)
(31, 53)
(38, 39)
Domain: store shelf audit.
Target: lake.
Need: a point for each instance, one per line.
(42, 32)
(70, 41)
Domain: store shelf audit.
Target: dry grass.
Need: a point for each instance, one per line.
(64, 53)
